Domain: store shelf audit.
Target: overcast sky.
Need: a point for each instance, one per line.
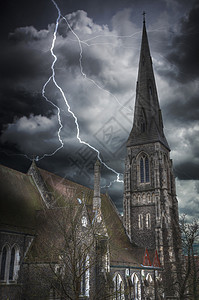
(97, 48)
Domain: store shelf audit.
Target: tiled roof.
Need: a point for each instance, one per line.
(22, 206)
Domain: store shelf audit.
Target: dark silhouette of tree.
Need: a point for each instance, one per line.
(189, 284)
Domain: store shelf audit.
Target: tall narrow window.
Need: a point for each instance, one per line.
(4, 258)
(12, 262)
(144, 169)
(85, 284)
(118, 287)
(148, 221)
(140, 221)
(141, 170)
(137, 287)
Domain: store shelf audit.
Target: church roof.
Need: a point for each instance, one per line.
(19, 200)
(22, 207)
(147, 125)
(121, 250)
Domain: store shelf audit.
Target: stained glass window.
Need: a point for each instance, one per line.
(141, 170)
(146, 169)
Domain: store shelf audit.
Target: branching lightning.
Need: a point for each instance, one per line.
(80, 61)
(52, 78)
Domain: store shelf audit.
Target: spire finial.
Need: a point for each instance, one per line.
(144, 13)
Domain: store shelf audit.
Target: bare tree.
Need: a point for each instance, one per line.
(188, 287)
(70, 248)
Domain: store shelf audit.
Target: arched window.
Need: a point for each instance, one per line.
(144, 169)
(149, 197)
(136, 287)
(118, 287)
(149, 278)
(141, 169)
(85, 277)
(139, 198)
(9, 263)
(148, 221)
(12, 263)
(4, 262)
(140, 221)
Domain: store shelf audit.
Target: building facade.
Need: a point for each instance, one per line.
(150, 204)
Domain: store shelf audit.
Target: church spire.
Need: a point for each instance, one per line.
(147, 125)
(97, 196)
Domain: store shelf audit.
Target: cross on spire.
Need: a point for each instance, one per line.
(144, 13)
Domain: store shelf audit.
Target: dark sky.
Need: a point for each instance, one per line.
(97, 62)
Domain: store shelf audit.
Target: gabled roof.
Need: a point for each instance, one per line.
(121, 249)
(22, 205)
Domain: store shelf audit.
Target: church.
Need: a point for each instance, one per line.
(61, 240)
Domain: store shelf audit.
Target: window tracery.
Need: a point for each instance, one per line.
(9, 263)
(118, 287)
(137, 287)
(144, 168)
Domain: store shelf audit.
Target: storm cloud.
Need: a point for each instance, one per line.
(96, 67)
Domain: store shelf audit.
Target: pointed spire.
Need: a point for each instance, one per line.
(144, 16)
(147, 125)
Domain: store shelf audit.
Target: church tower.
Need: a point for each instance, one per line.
(150, 204)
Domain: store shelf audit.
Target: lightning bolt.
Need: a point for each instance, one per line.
(52, 78)
(80, 60)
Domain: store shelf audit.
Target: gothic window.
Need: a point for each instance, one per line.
(149, 197)
(118, 287)
(4, 260)
(153, 197)
(85, 278)
(140, 221)
(12, 262)
(137, 287)
(144, 197)
(149, 278)
(148, 221)
(9, 266)
(141, 169)
(144, 169)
